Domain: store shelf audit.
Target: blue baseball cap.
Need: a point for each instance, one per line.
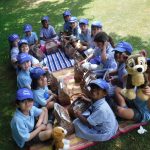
(13, 37)
(37, 72)
(84, 21)
(23, 94)
(100, 83)
(23, 57)
(45, 18)
(73, 19)
(67, 13)
(148, 60)
(124, 47)
(22, 41)
(96, 24)
(27, 28)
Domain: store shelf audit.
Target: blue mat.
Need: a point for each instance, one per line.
(58, 61)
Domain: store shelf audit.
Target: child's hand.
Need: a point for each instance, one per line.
(146, 90)
(77, 113)
(45, 68)
(42, 127)
(104, 46)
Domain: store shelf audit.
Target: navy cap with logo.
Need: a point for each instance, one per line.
(37, 72)
(23, 57)
(124, 47)
(24, 93)
(100, 83)
(83, 21)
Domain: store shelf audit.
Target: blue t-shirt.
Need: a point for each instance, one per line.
(24, 79)
(67, 26)
(14, 53)
(48, 33)
(103, 122)
(32, 38)
(110, 63)
(39, 96)
(22, 125)
(85, 37)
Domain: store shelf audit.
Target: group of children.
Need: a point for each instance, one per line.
(32, 124)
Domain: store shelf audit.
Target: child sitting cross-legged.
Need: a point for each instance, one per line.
(98, 123)
(25, 131)
(43, 97)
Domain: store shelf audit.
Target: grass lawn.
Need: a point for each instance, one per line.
(124, 20)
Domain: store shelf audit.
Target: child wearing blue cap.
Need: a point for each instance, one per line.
(25, 131)
(98, 123)
(66, 17)
(13, 40)
(23, 77)
(43, 97)
(121, 50)
(24, 48)
(96, 27)
(85, 35)
(137, 110)
(74, 27)
(30, 36)
(103, 57)
(47, 31)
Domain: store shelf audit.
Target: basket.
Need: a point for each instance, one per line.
(63, 118)
(63, 97)
(78, 104)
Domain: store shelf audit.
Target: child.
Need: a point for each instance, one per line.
(43, 97)
(47, 31)
(30, 36)
(66, 16)
(137, 109)
(25, 131)
(24, 48)
(23, 78)
(74, 27)
(85, 35)
(13, 41)
(96, 27)
(103, 57)
(98, 123)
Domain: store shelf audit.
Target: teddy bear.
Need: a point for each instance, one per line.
(136, 66)
(58, 135)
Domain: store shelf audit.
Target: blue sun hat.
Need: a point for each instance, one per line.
(27, 28)
(67, 13)
(23, 57)
(13, 37)
(37, 72)
(100, 83)
(96, 24)
(45, 18)
(24, 93)
(83, 21)
(124, 47)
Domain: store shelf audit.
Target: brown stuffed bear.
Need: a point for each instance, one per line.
(136, 66)
(60, 143)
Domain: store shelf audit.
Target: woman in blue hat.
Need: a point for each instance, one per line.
(26, 131)
(98, 123)
(30, 36)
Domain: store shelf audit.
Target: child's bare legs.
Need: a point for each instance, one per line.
(50, 105)
(119, 98)
(45, 135)
(125, 113)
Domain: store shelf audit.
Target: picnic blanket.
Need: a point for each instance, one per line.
(58, 61)
(78, 143)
